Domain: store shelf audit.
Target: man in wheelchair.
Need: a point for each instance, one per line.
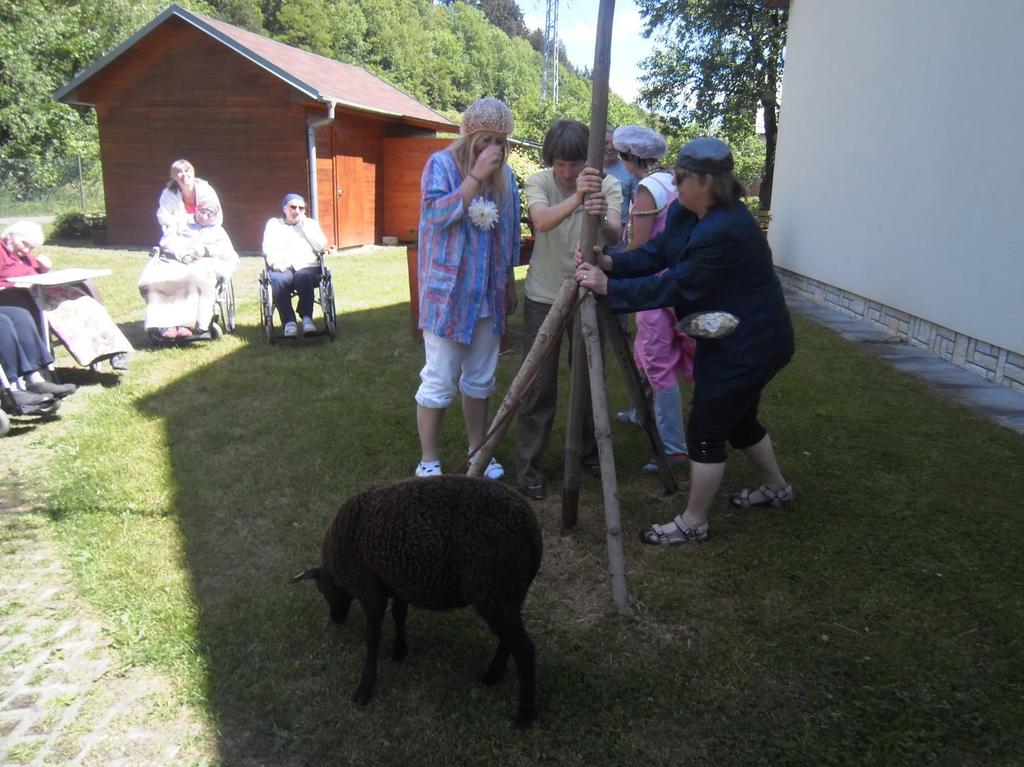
(291, 243)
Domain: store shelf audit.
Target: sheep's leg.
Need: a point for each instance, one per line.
(496, 671)
(512, 638)
(399, 609)
(374, 610)
(525, 654)
(499, 622)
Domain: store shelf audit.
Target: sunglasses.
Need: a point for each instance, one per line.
(681, 175)
(296, 207)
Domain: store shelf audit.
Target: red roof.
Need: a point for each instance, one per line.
(319, 77)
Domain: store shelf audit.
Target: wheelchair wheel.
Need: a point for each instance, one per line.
(5, 423)
(228, 309)
(327, 304)
(267, 308)
(215, 331)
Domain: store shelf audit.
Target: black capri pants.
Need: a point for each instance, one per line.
(713, 421)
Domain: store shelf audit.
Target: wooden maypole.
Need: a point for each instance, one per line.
(588, 329)
(588, 364)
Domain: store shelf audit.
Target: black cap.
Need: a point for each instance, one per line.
(705, 155)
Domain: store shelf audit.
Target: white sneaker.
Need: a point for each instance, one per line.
(307, 325)
(494, 470)
(290, 330)
(428, 469)
(628, 417)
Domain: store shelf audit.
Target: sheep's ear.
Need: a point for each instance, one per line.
(313, 573)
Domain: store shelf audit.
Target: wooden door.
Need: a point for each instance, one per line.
(356, 155)
(349, 202)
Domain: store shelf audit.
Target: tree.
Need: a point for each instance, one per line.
(446, 54)
(305, 24)
(715, 63)
(242, 13)
(42, 46)
(504, 14)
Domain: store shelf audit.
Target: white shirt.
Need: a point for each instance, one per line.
(171, 213)
(292, 245)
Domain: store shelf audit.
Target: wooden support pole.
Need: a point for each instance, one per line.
(620, 348)
(548, 333)
(603, 435)
(579, 391)
(589, 238)
(589, 326)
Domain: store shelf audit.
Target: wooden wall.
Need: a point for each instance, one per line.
(178, 93)
(404, 159)
(325, 180)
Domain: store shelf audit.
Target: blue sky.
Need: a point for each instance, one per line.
(577, 29)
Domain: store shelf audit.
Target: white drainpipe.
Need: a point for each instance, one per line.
(311, 126)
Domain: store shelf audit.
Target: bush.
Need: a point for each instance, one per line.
(523, 166)
(76, 225)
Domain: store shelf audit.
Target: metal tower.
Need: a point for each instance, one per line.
(549, 79)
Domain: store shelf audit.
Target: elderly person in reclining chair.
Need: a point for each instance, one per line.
(23, 357)
(73, 311)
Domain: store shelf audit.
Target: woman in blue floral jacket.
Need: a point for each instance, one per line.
(468, 245)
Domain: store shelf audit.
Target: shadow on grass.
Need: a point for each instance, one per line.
(264, 443)
(310, 422)
(876, 623)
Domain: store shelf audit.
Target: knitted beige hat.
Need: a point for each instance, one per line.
(487, 114)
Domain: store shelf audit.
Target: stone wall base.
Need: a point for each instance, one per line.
(993, 363)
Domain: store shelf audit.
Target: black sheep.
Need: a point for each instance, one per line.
(439, 543)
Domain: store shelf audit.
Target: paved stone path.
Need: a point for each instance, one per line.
(63, 698)
(999, 403)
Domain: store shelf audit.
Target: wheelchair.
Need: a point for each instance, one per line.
(323, 295)
(222, 321)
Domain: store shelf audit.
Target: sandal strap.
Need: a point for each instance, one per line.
(689, 533)
(661, 534)
(778, 497)
(664, 534)
(769, 497)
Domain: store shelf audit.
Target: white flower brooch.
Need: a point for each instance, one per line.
(483, 213)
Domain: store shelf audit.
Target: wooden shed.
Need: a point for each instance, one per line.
(257, 119)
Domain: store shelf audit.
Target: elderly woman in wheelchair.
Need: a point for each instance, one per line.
(187, 282)
(292, 244)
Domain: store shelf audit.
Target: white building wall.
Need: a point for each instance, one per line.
(900, 160)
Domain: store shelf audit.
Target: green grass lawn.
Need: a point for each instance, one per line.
(877, 623)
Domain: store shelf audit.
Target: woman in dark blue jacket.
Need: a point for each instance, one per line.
(712, 256)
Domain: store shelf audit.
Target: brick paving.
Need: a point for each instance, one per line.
(64, 697)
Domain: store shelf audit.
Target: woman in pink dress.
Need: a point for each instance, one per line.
(662, 353)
